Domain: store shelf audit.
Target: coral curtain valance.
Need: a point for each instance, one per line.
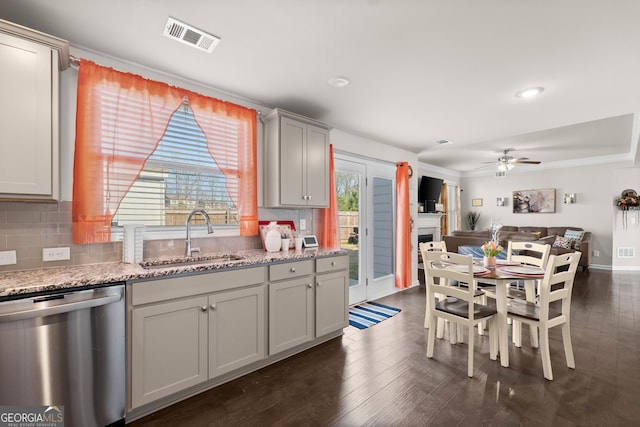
(403, 227)
(112, 146)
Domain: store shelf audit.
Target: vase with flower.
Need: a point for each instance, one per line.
(491, 250)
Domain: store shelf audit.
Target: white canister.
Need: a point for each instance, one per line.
(272, 240)
(285, 245)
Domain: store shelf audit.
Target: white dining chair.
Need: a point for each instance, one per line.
(527, 253)
(555, 289)
(459, 304)
(436, 246)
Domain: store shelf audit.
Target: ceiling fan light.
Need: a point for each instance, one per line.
(509, 166)
(502, 166)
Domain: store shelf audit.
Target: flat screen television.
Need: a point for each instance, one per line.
(429, 192)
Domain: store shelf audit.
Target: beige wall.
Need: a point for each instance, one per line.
(629, 236)
(595, 189)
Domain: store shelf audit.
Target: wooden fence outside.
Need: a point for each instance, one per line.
(348, 225)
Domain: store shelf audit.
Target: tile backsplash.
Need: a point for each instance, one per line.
(29, 227)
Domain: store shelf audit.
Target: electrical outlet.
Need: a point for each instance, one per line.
(8, 257)
(596, 253)
(56, 254)
(303, 224)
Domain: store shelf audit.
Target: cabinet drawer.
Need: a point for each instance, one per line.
(163, 289)
(290, 269)
(324, 265)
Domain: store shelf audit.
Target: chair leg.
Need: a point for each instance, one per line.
(516, 333)
(530, 287)
(431, 337)
(544, 353)
(493, 338)
(482, 325)
(470, 356)
(439, 328)
(460, 331)
(568, 348)
(426, 313)
(453, 332)
(533, 331)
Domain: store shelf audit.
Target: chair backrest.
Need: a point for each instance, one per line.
(528, 253)
(441, 268)
(557, 284)
(433, 246)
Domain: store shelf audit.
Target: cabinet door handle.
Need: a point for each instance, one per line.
(319, 283)
(333, 263)
(213, 306)
(203, 308)
(293, 269)
(309, 285)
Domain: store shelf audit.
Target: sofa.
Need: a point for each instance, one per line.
(547, 235)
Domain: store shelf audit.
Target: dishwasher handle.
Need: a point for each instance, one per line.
(86, 301)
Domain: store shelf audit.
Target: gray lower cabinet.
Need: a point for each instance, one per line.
(188, 333)
(169, 348)
(236, 329)
(186, 330)
(291, 305)
(332, 294)
(304, 305)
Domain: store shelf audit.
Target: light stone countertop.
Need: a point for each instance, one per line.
(17, 283)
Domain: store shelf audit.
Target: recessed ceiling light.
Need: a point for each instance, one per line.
(338, 81)
(443, 142)
(530, 92)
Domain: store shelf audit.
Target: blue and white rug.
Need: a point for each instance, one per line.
(369, 313)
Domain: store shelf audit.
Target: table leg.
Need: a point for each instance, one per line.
(501, 307)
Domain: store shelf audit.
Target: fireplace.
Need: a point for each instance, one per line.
(425, 238)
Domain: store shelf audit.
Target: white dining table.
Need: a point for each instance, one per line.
(501, 277)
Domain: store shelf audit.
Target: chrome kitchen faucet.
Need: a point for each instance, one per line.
(189, 250)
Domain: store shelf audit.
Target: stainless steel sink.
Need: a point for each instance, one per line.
(189, 261)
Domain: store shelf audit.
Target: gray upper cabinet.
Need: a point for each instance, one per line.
(29, 128)
(296, 171)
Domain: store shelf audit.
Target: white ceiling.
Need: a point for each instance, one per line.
(420, 70)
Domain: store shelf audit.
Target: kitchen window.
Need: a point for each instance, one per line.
(149, 153)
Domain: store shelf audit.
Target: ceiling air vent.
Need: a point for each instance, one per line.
(190, 35)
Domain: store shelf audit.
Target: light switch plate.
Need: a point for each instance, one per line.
(303, 224)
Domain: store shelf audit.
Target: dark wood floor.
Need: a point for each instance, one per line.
(381, 377)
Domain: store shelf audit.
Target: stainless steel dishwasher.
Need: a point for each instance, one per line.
(66, 350)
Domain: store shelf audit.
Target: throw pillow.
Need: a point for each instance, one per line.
(576, 236)
(562, 242)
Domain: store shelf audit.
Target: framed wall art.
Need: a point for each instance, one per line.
(534, 201)
(476, 202)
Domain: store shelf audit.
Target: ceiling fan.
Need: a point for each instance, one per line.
(507, 162)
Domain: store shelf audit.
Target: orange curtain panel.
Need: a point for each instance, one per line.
(330, 227)
(120, 119)
(403, 227)
(444, 199)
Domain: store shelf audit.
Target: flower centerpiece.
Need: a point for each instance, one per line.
(491, 249)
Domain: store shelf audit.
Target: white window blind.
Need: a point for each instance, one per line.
(182, 173)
